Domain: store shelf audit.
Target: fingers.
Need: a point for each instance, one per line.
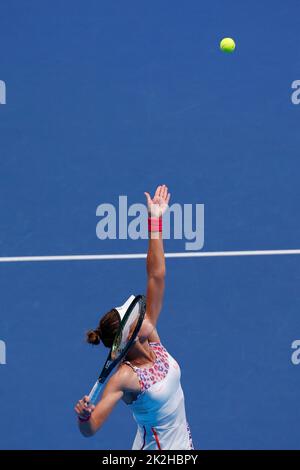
(78, 409)
(148, 198)
(161, 191)
(83, 407)
(164, 192)
(157, 192)
(87, 405)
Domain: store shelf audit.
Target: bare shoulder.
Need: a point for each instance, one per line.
(125, 378)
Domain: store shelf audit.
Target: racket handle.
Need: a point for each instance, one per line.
(95, 392)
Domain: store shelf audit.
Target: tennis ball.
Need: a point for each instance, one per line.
(227, 45)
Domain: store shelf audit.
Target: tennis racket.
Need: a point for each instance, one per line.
(132, 314)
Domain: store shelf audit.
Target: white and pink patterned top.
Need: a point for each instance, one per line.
(159, 409)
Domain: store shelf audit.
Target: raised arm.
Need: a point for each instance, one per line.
(156, 267)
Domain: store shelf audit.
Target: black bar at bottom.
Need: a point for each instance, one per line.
(134, 459)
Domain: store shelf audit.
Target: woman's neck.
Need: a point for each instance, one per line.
(141, 354)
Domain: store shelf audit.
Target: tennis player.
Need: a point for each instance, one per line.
(148, 379)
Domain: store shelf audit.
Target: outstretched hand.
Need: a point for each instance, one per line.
(160, 202)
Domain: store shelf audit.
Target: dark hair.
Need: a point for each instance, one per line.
(106, 330)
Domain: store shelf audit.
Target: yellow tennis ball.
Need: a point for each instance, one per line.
(227, 45)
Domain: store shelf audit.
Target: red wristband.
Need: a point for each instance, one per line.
(155, 224)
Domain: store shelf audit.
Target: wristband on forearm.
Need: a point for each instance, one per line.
(155, 224)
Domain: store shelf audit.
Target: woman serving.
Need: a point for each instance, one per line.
(148, 378)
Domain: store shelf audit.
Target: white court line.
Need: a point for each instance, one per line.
(184, 254)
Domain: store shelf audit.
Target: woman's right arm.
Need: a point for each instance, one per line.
(91, 418)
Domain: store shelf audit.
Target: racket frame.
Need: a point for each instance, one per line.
(110, 363)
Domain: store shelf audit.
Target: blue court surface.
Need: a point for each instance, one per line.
(112, 98)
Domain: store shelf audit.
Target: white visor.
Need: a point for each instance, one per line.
(123, 309)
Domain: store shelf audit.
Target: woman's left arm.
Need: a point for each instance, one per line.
(156, 267)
